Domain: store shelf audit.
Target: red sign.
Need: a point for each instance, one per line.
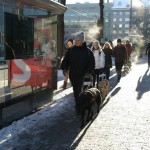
(32, 71)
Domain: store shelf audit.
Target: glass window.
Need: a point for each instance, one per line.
(120, 19)
(120, 25)
(114, 13)
(114, 19)
(5, 91)
(127, 19)
(126, 31)
(126, 25)
(114, 32)
(127, 13)
(30, 49)
(121, 13)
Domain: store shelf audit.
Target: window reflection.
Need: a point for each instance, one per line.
(28, 56)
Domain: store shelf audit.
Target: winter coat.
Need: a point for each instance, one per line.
(108, 57)
(79, 61)
(128, 49)
(99, 58)
(64, 60)
(148, 49)
(120, 53)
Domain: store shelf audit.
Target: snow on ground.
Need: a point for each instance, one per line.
(45, 118)
(36, 120)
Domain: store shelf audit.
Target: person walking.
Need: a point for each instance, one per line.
(79, 61)
(120, 55)
(66, 75)
(99, 61)
(148, 54)
(107, 49)
(128, 47)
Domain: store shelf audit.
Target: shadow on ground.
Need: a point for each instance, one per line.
(143, 84)
(60, 131)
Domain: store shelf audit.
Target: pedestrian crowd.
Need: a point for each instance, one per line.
(81, 60)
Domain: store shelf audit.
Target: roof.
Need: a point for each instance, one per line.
(47, 5)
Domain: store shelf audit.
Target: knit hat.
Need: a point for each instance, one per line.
(80, 36)
(96, 42)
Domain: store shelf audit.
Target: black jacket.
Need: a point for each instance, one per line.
(120, 53)
(64, 60)
(79, 60)
(108, 60)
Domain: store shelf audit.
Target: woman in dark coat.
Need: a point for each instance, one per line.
(107, 49)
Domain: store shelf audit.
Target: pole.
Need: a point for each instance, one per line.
(101, 4)
(130, 17)
(61, 31)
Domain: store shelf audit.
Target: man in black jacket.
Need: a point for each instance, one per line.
(148, 53)
(120, 55)
(79, 61)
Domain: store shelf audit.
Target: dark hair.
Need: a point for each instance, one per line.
(70, 40)
(119, 40)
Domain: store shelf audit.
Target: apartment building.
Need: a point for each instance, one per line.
(128, 19)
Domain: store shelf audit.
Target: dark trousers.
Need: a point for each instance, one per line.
(119, 66)
(96, 74)
(77, 89)
(107, 72)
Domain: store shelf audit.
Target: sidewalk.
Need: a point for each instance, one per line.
(122, 124)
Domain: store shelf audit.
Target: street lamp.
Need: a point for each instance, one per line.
(101, 4)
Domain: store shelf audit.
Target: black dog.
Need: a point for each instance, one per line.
(86, 101)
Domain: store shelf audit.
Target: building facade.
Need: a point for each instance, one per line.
(122, 19)
(130, 20)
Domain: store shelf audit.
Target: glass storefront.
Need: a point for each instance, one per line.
(28, 52)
